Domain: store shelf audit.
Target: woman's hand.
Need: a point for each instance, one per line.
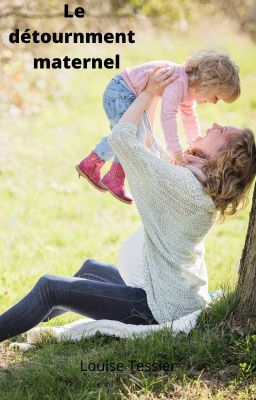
(159, 79)
(179, 159)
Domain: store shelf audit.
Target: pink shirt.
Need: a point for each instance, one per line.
(175, 97)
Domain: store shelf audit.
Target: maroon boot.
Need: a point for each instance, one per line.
(90, 168)
(113, 181)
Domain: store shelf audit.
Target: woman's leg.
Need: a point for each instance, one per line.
(100, 271)
(93, 270)
(94, 299)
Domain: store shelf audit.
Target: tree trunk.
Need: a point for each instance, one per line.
(244, 314)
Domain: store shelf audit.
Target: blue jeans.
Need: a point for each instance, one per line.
(117, 98)
(96, 291)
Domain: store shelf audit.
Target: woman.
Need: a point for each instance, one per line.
(166, 277)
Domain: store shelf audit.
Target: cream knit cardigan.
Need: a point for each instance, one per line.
(176, 214)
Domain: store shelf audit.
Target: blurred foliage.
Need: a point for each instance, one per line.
(177, 15)
(19, 95)
(182, 11)
(243, 11)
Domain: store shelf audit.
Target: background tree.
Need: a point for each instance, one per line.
(244, 315)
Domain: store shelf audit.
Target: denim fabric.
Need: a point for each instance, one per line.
(97, 291)
(116, 100)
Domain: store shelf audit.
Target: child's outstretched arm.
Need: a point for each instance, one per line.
(190, 120)
(170, 104)
(151, 111)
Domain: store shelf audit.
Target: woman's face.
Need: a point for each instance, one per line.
(215, 139)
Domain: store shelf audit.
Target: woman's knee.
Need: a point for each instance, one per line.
(44, 280)
(90, 262)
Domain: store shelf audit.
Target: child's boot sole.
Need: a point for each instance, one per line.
(113, 194)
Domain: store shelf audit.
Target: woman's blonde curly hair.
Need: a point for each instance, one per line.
(230, 173)
(211, 71)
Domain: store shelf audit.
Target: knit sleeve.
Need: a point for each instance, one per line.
(150, 178)
(190, 120)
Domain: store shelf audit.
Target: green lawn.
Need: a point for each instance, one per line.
(51, 222)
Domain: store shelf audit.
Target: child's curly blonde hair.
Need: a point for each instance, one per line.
(211, 71)
(230, 173)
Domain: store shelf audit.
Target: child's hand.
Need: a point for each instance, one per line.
(178, 159)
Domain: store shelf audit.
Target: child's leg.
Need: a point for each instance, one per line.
(115, 106)
(103, 149)
(114, 180)
(116, 99)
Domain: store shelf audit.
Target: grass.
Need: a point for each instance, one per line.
(51, 222)
(211, 362)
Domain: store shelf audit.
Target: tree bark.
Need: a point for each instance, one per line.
(244, 313)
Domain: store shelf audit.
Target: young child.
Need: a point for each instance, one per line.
(206, 77)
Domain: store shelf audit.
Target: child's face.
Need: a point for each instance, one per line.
(208, 97)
